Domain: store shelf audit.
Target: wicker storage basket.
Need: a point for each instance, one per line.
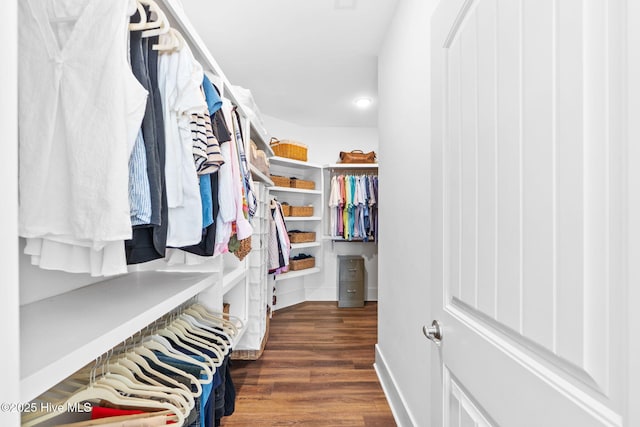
(289, 149)
(301, 211)
(286, 209)
(301, 264)
(302, 236)
(280, 181)
(301, 183)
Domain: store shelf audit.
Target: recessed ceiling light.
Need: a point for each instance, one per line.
(363, 102)
(345, 4)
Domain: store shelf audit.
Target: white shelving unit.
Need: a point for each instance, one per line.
(295, 291)
(59, 334)
(259, 176)
(302, 218)
(295, 190)
(299, 273)
(305, 245)
(257, 276)
(363, 166)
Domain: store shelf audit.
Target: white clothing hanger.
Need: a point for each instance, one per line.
(183, 342)
(96, 392)
(170, 42)
(200, 342)
(138, 363)
(215, 326)
(142, 363)
(144, 351)
(220, 317)
(161, 19)
(203, 331)
(153, 344)
(100, 421)
(143, 24)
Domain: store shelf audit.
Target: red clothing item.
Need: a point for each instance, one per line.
(98, 412)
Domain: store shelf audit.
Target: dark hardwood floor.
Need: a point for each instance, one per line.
(316, 370)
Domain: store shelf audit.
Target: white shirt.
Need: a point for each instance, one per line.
(80, 111)
(179, 80)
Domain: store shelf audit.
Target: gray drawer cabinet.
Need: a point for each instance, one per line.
(350, 281)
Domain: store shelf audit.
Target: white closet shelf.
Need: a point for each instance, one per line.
(342, 239)
(59, 335)
(283, 161)
(257, 175)
(351, 166)
(298, 273)
(263, 139)
(232, 278)
(295, 190)
(302, 218)
(304, 245)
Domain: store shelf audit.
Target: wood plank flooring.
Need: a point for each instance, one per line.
(316, 370)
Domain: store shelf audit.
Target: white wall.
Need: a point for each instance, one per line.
(403, 355)
(9, 317)
(325, 144)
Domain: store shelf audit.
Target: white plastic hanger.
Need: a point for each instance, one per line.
(191, 325)
(144, 351)
(194, 341)
(201, 323)
(100, 421)
(121, 379)
(143, 24)
(170, 42)
(219, 317)
(142, 363)
(161, 19)
(182, 341)
(95, 392)
(154, 344)
(135, 359)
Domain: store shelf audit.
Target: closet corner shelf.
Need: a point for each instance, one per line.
(295, 190)
(302, 218)
(259, 176)
(231, 278)
(58, 335)
(283, 161)
(298, 273)
(337, 166)
(305, 245)
(342, 239)
(263, 138)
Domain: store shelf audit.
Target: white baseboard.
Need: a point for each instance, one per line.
(331, 294)
(391, 391)
(288, 299)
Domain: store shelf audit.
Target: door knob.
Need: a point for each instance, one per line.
(433, 332)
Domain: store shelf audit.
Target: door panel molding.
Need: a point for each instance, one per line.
(459, 405)
(514, 340)
(586, 401)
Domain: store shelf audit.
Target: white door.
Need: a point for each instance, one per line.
(529, 205)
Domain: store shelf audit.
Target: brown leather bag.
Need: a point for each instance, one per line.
(357, 156)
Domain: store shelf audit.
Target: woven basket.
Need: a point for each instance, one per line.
(280, 181)
(301, 264)
(301, 211)
(302, 236)
(286, 210)
(301, 183)
(289, 149)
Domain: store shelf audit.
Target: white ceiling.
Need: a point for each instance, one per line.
(305, 61)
